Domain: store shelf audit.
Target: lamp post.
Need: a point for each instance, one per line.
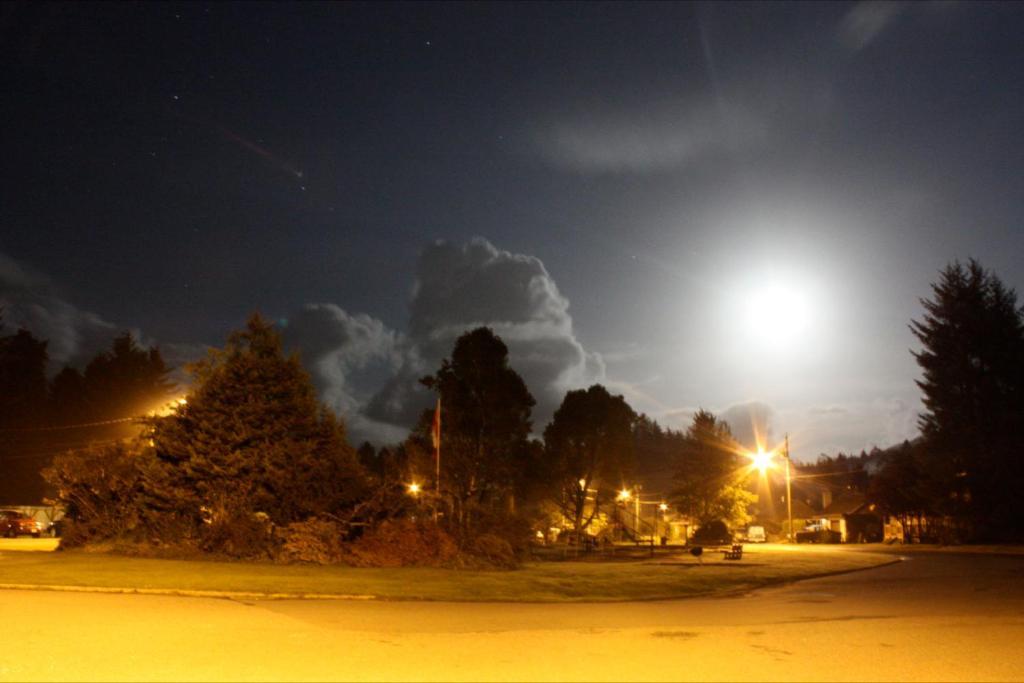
(789, 491)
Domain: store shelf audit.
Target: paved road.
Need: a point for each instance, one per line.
(932, 617)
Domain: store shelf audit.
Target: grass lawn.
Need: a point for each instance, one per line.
(659, 578)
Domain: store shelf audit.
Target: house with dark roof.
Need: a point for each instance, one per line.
(856, 520)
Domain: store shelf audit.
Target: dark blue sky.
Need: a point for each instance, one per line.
(170, 168)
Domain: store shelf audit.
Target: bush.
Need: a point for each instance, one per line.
(402, 543)
(495, 551)
(99, 489)
(317, 541)
(516, 530)
(239, 535)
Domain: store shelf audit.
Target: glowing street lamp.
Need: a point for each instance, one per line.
(413, 489)
(761, 460)
(624, 495)
(789, 490)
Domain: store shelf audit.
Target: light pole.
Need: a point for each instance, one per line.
(789, 492)
(636, 504)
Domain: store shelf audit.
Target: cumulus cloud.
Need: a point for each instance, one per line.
(866, 21)
(371, 374)
(652, 137)
(349, 358)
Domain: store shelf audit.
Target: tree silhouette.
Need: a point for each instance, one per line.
(710, 474)
(485, 423)
(253, 438)
(589, 452)
(127, 380)
(22, 380)
(972, 363)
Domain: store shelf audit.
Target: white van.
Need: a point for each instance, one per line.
(755, 534)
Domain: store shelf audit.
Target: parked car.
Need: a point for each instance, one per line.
(713, 533)
(14, 523)
(756, 534)
(818, 533)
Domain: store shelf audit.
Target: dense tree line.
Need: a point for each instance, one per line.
(252, 465)
(40, 417)
(253, 450)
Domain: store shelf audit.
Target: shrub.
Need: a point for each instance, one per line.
(315, 540)
(239, 535)
(495, 551)
(99, 489)
(402, 543)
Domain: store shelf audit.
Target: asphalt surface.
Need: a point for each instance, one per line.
(931, 617)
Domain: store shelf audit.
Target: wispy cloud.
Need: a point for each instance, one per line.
(866, 21)
(649, 137)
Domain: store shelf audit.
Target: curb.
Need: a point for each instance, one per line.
(184, 593)
(823, 575)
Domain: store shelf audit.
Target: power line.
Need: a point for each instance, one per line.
(101, 423)
(59, 451)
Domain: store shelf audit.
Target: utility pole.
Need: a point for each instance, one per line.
(636, 504)
(789, 493)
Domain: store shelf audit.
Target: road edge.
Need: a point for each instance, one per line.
(186, 593)
(258, 595)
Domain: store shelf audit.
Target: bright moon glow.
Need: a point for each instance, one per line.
(777, 314)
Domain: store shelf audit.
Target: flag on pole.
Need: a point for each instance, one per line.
(435, 429)
(435, 436)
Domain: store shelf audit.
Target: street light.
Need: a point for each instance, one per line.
(789, 490)
(762, 461)
(413, 489)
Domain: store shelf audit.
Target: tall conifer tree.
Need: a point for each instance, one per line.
(972, 362)
(252, 438)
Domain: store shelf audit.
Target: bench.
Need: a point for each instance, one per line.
(734, 553)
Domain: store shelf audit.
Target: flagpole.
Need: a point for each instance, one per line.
(437, 457)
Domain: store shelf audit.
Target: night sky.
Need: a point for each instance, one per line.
(728, 206)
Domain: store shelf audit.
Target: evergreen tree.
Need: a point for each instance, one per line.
(69, 403)
(710, 474)
(657, 450)
(252, 438)
(901, 488)
(23, 361)
(972, 362)
(589, 452)
(127, 380)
